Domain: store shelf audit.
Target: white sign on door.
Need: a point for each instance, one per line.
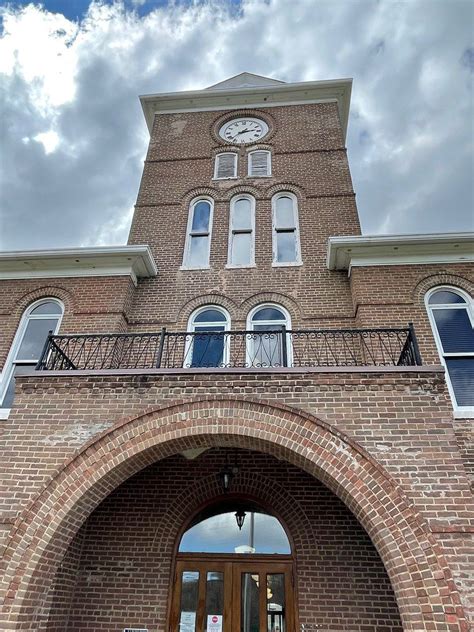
(187, 622)
(214, 623)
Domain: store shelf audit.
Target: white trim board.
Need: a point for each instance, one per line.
(345, 253)
(134, 261)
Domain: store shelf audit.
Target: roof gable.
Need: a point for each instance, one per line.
(245, 80)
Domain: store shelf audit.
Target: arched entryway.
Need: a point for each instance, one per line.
(234, 571)
(42, 534)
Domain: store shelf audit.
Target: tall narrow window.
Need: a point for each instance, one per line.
(40, 318)
(269, 346)
(206, 344)
(286, 241)
(242, 231)
(452, 319)
(198, 241)
(259, 163)
(225, 166)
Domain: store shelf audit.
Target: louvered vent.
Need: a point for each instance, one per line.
(226, 166)
(259, 163)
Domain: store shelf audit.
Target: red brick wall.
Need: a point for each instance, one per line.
(126, 563)
(402, 418)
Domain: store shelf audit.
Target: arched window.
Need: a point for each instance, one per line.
(215, 530)
(225, 166)
(286, 239)
(207, 345)
(38, 320)
(242, 231)
(198, 238)
(269, 345)
(451, 314)
(259, 163)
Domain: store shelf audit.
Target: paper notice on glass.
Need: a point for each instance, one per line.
(214, 623)
(187, 623)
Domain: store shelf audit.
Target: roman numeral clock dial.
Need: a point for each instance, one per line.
(243, 130)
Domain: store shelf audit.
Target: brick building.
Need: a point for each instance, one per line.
(233, 425)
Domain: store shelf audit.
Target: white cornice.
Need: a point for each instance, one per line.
(134, 261)
(345, 253)
(337, 90)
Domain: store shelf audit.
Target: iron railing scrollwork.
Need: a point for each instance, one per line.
(273, 348)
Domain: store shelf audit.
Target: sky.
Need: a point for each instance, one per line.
(73, 137)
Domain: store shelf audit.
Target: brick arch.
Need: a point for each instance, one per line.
(441, 278)
(188, 308)
(419, 574)
(241, 188)
(189, 196)
(286, 186)
(186, 505)
(45, 291)
(270, 297)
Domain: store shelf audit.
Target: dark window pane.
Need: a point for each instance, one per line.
(268, 313)
(276, 602)
(208, 348)
(199, 251)
(250, 615)
(10, 394)
(455, 330)
(202, 212)
(210, 316)
(286, 247)
(461, 374)
(51, 307)
(214, 598)
(189, 600)
(34, 338)
(445, 296)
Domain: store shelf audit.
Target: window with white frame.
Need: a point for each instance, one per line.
(259, 163)
(38, 320)
(198, 238)
(451, 314)
(286, 240)
(225, 166)
(242, 231)
(206, 345)
(269, 345)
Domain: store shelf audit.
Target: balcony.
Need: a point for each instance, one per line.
(270, 349)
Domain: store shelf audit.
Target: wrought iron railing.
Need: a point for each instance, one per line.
(232, 349)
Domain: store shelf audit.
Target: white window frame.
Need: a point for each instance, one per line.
(190, 234)
(216, 163)
(250, 323)
(459, 411)
(269, 163)
(298, 260)
(236, 198)
(188, 350)
(10, 363)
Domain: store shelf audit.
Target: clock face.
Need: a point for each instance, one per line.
(243, 130)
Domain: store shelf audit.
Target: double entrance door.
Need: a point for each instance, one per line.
(218, 594)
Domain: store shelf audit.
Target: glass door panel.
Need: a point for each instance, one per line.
(250, 602)
(276, 602)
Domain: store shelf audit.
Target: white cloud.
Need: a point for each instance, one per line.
(74, 138)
